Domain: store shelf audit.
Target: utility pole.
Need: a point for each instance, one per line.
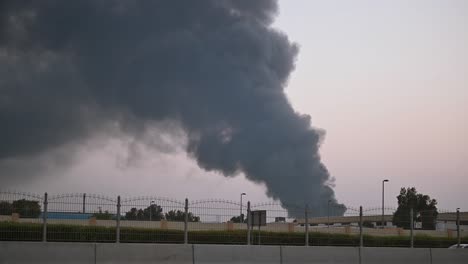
(383, 202)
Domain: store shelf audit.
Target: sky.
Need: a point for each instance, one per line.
(386, 80)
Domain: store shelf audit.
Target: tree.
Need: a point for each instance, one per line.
(237, 219)
(153, 211)
(103, 216)
(179, 216)
(5, 208)
(424, 209)
(133, 214)
(156, 213)
(26, 208)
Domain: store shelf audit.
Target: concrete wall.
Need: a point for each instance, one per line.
(396, 255)
(90, 253)
(443, 256)
(45, 253)
(143, 253)
(335, 255)
(204, 254)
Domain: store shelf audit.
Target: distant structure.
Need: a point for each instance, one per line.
(280, 219)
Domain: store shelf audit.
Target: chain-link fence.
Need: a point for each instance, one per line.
(152, 219)
(74, 217)
(96, 218)
(18, 208)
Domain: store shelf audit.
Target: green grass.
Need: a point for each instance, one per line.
(10, 231)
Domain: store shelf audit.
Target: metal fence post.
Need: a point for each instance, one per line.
(84, 203)
(249, 221)
(186, 222)
(44, 219)
(411, 227)
(259, 234)
(328, 216)
(306, 225)
(361, 240)
(458, 227)
(117, 231)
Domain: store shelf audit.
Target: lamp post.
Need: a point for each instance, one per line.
(328, 216)
(383, 201)
(458, 228)
(151, 209)
(241, 217)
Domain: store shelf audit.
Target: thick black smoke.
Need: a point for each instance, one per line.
(217, 67)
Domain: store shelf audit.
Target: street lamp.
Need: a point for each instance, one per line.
(383, 203)
(458, 228)
(151, 209)
(328, 218)
(241, 215)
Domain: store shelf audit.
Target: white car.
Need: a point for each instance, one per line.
(461, 246)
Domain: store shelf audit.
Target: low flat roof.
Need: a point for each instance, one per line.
(375, 218)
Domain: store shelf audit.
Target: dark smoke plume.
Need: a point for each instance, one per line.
(217, 67)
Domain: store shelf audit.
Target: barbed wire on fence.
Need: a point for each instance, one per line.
(6, 195)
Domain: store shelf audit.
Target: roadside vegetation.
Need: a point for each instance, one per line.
(10, 231)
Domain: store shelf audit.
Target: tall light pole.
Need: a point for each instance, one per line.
(328, 218)
(458, 228)
(383, 201)
(241, 217)
(151, 209)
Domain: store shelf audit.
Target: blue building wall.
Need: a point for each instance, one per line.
(66, 215)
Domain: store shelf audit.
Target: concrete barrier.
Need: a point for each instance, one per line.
(452, 256)
(47, 253)
(89, 253)
(299, 255)
(236, 254)
(396, 255)
(143, 253)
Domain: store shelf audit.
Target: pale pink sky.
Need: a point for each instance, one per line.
(388, 80)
